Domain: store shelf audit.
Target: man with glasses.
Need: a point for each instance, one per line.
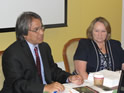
(28, 65)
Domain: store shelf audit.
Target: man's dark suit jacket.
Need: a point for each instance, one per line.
(20, 71)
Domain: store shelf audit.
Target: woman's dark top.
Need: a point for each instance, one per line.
(88, 50)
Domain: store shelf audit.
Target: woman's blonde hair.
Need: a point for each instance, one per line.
(91, 27)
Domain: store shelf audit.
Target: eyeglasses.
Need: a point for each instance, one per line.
(38, 29)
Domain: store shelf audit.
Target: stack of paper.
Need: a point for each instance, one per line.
(111, 78)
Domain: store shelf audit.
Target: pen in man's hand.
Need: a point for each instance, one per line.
(55, 92)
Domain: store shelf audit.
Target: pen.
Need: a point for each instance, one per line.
(75, 73)
(55, 92)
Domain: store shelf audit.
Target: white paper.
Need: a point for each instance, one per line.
(111, 78)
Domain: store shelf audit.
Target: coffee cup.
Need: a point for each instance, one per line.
(98, 79)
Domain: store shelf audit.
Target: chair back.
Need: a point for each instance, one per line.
(68, 53)
(1, 72)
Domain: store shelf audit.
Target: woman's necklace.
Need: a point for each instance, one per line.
(102, 48)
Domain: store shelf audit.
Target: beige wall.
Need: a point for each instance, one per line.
(80, 14)
(122, 33)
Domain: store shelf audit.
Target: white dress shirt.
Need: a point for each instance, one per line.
(31, 46)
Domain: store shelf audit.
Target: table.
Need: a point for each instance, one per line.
(69, 87)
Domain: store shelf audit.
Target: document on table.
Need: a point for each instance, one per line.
(69, 87)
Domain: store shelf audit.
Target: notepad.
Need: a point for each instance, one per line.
(85, 89)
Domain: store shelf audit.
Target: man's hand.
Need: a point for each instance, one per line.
(50, 88)
(77, 79)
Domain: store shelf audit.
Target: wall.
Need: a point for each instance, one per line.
(80, 14)
(122, 33)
